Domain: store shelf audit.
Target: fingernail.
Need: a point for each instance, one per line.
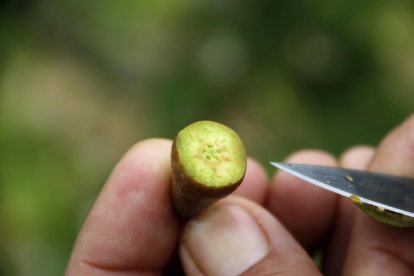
(225, 241)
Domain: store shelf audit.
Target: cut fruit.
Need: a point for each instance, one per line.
(208, 162)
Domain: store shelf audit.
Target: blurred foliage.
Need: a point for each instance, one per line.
(80, 82)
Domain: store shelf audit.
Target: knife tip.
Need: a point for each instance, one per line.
(278, 165)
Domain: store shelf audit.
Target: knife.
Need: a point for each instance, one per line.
(393, 193)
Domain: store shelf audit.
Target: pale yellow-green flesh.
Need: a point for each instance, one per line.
(211, 153)
(382, 215)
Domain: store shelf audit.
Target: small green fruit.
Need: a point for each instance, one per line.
(383, 215)
(208, 162)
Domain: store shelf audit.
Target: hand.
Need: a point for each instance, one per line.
(263, 229)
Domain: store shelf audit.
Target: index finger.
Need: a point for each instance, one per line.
(307, 211)
(376, 248)
(131, 228)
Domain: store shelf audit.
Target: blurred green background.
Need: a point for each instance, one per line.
(82, 81)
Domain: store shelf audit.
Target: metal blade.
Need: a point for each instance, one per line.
(390, 192)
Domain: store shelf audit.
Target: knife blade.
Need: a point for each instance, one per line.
(393, 193)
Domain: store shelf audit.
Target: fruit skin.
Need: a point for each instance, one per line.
(190, 196)
(384, 216)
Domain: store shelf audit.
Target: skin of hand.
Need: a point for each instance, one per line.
(266, 227)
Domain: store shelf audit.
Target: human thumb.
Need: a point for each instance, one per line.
(237, 236)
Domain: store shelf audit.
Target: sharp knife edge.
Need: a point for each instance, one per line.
(285, 167)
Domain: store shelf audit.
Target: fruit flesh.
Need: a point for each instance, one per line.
(211, 153)
(383, 215)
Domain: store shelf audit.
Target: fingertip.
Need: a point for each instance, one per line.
(312, 156)
(357, 157)
(133, 211)
(147, 156)
(255, 182)
(145, 148)
(395, 153)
